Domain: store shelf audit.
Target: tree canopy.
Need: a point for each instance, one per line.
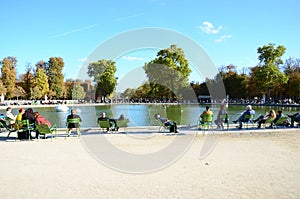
(103, 74)
(169, 70)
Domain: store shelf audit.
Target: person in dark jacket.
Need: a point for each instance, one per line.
(73, 125)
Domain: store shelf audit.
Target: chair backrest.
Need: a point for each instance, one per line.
(224, 116)
(281, 120)
(248, 117)
(73, 120)
(122, 123)
(43, 128)
(3, 124)
(104, 123)
(269, 120)
(207, 118)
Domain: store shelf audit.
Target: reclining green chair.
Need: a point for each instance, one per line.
(282, 121)
(9, 129)
(44, 129)
(248, 120)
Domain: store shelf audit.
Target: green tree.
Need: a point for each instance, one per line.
(235, 84)
(55, 77)
(292, 70)
(8, 77)
(267, 75)
(41, 81)
(103, 72)
(27, 81)
(78, 92)
(36, 93)
(169, 69)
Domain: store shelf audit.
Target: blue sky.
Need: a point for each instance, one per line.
(229, 31)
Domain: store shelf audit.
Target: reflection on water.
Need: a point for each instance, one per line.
(143, 114)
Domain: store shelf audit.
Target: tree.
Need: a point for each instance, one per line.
(169, 69)
(292, 70)
(36, 93)
(235, 84)
(41, 81)
(8, 72)
(55, 76)
(103, 72)
(267, 75)
(27, 81)
(78, 92)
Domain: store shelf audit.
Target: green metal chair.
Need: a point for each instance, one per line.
(44, 129)
(205, 123)
(9, 129)
(226, 120)
(73, 121)
(281, 122)
(122, 123)
(248, 120)
(162, 125)
(27, 127)
(105, 125)
(269, 121)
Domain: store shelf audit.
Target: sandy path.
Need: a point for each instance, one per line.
(259, 165)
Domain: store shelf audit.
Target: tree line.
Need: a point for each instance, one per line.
(167, 74)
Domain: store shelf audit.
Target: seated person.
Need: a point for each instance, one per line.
(241, 119)
(39, 119)
(19, 118)
(263, 118)
(278, 116)
(28, 115)
(73, 125)
(205, 113)
(10, 117)
(294, 118)
(121, 117)
(167, 122)
(112, 122)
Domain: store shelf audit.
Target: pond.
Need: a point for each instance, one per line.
(143, 114)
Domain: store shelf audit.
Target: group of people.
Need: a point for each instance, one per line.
(222, 116)
(248, 115)
(15, 121)
(112, 122)
(270, 116)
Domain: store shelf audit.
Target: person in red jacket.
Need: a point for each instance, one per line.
(39, 119)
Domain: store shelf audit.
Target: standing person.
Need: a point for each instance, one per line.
(73, 125)
(10, 117)
(249, 111)
(205, 113)
(220, 120)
